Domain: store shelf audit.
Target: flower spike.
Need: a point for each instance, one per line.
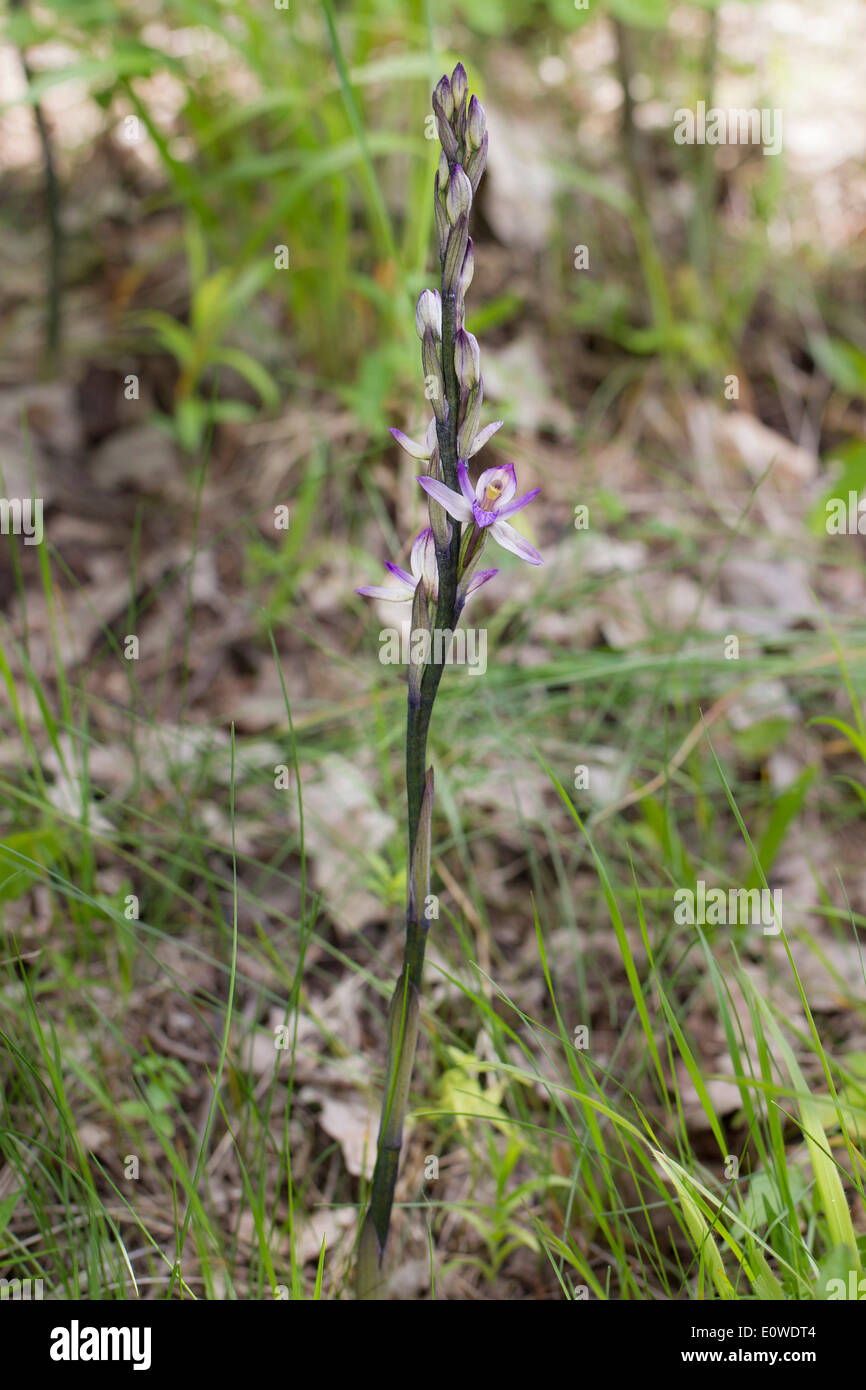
(443, 574)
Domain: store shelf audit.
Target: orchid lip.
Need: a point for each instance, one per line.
(501, 482)
(482, 517)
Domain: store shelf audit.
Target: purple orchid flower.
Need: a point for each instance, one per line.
(423, 449)
(424, 570)
(488, 504)
(418, 450)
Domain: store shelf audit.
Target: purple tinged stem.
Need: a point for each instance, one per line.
(449, 603)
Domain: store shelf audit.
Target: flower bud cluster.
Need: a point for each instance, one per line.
(462, 128)
(455, 391)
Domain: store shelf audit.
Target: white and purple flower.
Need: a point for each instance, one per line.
(417, 449)
(487, 504)
(424, 569)
(423, 449)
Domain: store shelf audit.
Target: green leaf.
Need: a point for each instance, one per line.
(835, 1266)
(495, 313)
(133, 61)
(759, 739)
(229, 410)
(698, 1227)
(190, 419)
(41, 846)
(851, 478)
(173, 336)
(7, 1207)
(784, 812)
(852, 1099)
(464, 1097)
(210, 302)
(251, 371)
(830, 1190)
(645, 14)
(763, 1201)
(842, 362)
(856, 740)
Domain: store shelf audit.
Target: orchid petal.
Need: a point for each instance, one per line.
(478, 579)
(417, 451)
(482, 437)
(402, 575)
(513, 507)
(511, 540)
(454, 504)
(391, 592)
(465, 486)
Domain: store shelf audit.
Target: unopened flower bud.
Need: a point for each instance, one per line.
(458, 198)
(434, 382)
(439, 522)
(447, 138)
(443, 231)
(467, 271)
(455, 250)
(459, 85)
(476, 124)
(420, 625)
(426, 552)
(467, 360)
(460, 89)
(471, 420)
(475, 164)
(428, 313)
(443, 174)
(443, 93)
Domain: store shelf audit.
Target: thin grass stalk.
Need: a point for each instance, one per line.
(51, 185)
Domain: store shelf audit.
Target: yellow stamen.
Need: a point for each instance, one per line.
(491, 492)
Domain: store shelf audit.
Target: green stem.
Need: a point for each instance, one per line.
(55, 230)
(641, 223)
(703, 228)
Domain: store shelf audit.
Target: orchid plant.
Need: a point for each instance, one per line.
(444, 572)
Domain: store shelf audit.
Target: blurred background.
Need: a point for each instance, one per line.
(215, 221)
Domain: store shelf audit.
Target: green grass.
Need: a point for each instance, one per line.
(163, 924)
(587, 1167)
